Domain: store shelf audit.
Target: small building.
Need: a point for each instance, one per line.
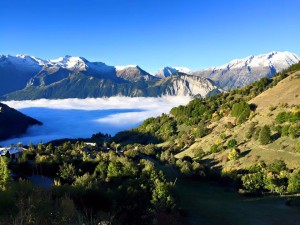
(12, 152)
(90, 144)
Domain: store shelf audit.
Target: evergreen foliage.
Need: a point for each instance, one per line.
(265, 135)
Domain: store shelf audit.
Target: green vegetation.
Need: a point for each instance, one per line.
(265, 135)
(5, 178)
(90, 187)
(136, 176)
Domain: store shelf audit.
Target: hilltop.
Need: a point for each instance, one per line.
(14, 123)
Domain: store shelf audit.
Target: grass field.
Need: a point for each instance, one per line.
(210, 204)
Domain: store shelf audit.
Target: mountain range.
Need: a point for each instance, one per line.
(27, 77)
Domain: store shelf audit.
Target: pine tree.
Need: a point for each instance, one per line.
(5, 178)
(265, 135)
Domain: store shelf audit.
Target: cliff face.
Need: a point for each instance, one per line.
(186, 85)
(13, 123)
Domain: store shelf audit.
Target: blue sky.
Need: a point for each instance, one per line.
(151, 33)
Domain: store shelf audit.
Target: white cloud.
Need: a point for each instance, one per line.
(73, 118)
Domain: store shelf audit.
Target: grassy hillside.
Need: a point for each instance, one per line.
(281, 98)
(230, 131)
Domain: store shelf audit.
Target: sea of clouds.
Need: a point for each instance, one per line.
(74, 118)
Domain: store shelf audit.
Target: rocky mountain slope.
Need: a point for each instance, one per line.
(241, 72)
(168, 71)
(27, 77)
(76, 77)
(14, 123)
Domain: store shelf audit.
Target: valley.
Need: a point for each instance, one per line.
(233, 154)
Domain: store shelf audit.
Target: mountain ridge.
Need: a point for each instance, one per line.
(38, 78)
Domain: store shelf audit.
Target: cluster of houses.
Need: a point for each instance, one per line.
(12, 152)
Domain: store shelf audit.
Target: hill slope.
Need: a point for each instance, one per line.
(214, 127)
(14, 123)
(280, 98)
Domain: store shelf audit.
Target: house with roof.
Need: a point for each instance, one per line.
(13, 153)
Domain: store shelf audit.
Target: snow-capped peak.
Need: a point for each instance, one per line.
(278, 60)
(183, 69)
(23, 61)
(126, 67)
(70, 62)
(168, 71)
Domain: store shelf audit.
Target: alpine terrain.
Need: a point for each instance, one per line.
(26, 77)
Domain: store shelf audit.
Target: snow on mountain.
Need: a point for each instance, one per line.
(31, 71)
(168, 71)
(70, 62)
(21, 61)
(182, 69)
(279, 60)
(240, 72)
(118, 68)
(133, 73)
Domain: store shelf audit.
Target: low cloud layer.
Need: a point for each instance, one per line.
(74, 118)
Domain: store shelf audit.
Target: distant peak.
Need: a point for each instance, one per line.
(126, 67)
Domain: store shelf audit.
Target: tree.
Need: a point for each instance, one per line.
(250, 131)
(234, 154)
(277, 166)
(114, 169)
(241, 111)
(5, 178)
(232, 143)
(49, 148)
(67, 173)
(294, 182)
(253, 182)
(265, 135)
(161, 196)
(101, 170)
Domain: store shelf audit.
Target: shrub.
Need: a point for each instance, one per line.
(265, 135)
(232, 143)
(234, 154)
(199, 153)
(294, 182)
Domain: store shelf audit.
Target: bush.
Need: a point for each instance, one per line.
(265, 135)
(232, 143)
(234, 154)
(215, 148)
(250, 131)
(241, 111)
(199, 153)
(294, 182)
